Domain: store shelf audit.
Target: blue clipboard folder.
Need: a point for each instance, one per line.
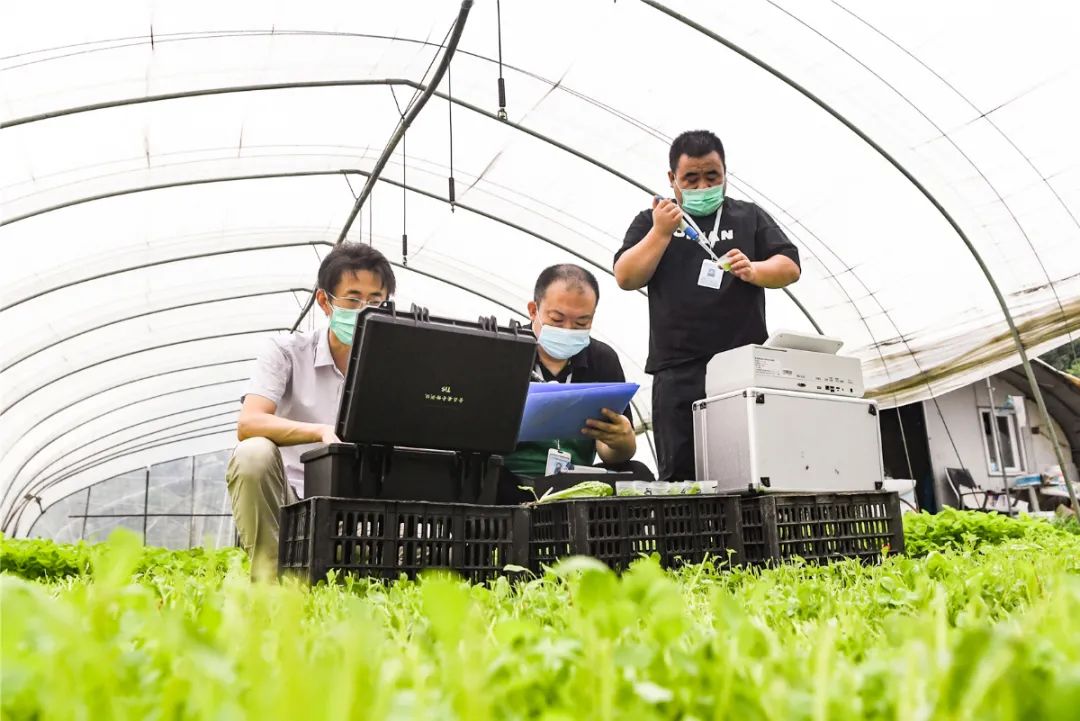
(559, 410)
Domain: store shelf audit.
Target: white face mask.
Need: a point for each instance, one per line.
(563, 343)
(343, 323)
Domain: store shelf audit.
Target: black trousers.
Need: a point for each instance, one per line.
(674, 391)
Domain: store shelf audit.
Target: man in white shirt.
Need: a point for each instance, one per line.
(291, 402)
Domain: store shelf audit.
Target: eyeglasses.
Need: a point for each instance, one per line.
(354, 303)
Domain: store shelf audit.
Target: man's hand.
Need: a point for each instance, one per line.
(666, 215)
(327, 435)
(775, 272)
(635, 267)
(741, 266)
(616, 433)
(258, 418)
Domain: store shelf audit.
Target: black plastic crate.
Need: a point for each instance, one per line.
(385, 539)
(821, 526)
(681, 529)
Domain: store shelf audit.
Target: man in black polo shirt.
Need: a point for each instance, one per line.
(696, 309)
(562, 310)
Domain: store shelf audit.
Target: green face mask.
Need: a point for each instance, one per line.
(704, 201)
(343, 324)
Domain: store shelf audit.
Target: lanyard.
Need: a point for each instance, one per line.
(706, 242)
(538, 376)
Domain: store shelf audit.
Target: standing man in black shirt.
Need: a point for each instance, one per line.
(697, 310)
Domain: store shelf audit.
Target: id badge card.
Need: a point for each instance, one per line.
(557, 461)
(711, 274)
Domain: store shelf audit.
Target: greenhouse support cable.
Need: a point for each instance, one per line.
(501, 113)
(985, 116)
(123, 319)
(1000, 458)
(645, 432)
(404, 206)
(399, 132)
(68, 373)
(40, 291)
(451, 190)
(903, 441)
(397, 105)
(86, 511)
(317, 173)
(944, 134)
(423, 77)
(603, 268)
(309, 84)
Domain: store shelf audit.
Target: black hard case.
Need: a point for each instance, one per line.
(446, 384)
(348, 470)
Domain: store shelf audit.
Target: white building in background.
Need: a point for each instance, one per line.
(957, 431)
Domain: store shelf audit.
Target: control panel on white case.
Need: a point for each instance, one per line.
(757, 366)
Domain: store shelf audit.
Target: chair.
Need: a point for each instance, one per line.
(964, 486)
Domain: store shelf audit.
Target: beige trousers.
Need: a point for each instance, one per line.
(258, 488)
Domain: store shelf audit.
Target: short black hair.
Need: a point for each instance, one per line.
(572, 275)
(353, 258)
(695, 144)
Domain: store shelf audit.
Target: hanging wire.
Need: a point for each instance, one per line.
(423, 78)
(502, 83)
(404, 208)
(311, 311)
(397, 104)
(995, 448)
(360, 215)
(452, 191)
